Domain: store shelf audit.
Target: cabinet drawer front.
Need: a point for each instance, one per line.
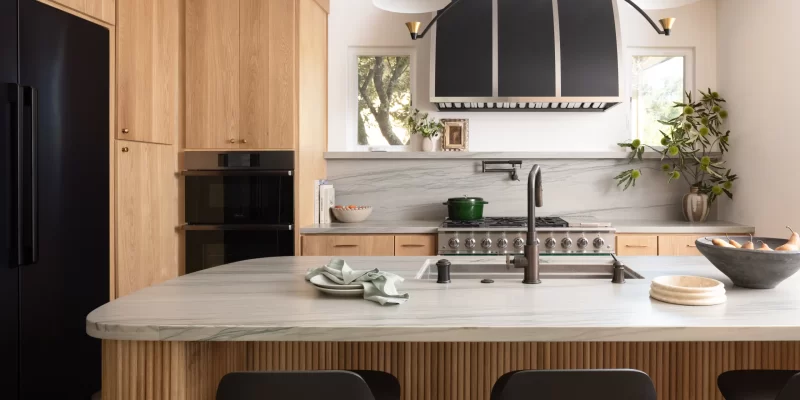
(415, 245)
(348, 245)
(637, 245)
(678, 245)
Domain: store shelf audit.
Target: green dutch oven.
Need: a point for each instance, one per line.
(465, 208)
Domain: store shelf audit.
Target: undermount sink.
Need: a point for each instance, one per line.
(572, 267)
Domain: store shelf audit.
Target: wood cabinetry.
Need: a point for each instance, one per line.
(240, 74)
(637, 245)
(147, 201)
(369, 245)
(148, 73)
(103, 10)
(658, 245)
(678, 245)
(415, 245)
(348, 245)
(212, 74)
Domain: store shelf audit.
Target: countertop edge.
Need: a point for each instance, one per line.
(447, 334)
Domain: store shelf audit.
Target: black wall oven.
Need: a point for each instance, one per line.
(239, 206)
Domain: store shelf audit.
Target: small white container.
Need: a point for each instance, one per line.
(688, 290)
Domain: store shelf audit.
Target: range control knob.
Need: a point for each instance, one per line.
(502, 243)
(550, 243)
(470, 243)
(486, 243)
(519, 243)
(599, 243)
(454, 243)
(582, 243)
(566, 243)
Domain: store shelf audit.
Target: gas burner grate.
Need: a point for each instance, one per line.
(507, 222)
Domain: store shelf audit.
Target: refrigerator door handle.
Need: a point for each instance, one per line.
(15, 100)
(28, 196)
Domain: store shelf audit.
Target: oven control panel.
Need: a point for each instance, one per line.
(572, 241)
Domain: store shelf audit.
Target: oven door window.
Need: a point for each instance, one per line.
(255, 199)
(208, 249)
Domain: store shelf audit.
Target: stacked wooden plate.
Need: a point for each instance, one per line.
(325, 285)
(688, 290)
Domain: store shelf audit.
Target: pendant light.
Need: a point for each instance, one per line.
(442, 6)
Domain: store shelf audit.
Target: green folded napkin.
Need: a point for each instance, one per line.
(378, 286)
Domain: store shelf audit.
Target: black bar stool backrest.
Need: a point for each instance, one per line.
(612, 384)
(296, 385)
(759, 385)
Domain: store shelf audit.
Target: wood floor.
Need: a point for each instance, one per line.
(430, 371)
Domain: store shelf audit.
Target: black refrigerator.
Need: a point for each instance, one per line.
(54, 200)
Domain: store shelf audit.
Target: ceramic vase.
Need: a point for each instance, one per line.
(695, 205)
(427, 144)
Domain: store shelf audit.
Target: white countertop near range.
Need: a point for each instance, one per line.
(623, 227)
(268, 300)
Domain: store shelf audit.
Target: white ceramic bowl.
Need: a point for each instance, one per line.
(351, 215)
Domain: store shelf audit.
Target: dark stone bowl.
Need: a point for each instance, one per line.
(754, 269)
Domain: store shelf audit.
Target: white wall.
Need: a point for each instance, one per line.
(758, 75)
(359, 23)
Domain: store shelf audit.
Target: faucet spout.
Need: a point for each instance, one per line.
(535, 199)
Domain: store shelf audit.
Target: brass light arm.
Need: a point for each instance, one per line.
(413, 27)
(666, 23)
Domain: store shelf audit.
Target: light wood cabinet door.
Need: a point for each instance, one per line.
(678, 245)
(147, 70)
(267, 74)
(348, 245)
(103, 10)
(637, 245)
(415, 245)
(212, 74)
(147, 200)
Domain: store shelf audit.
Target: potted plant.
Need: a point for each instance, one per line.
(418, 123)
(693, 147)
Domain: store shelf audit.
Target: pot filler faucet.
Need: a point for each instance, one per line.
(530, 262)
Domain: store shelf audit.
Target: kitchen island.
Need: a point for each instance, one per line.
(449, 341)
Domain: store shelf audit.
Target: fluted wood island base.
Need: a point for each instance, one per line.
(134, 370)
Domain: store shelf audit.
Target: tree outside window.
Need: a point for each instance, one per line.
(384, 100)
(657, 82)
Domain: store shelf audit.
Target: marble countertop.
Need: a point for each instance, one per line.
(623, 226)
(268, 300)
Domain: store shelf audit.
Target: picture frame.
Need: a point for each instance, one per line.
(456, 135)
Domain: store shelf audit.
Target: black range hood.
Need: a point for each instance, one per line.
(527, 55)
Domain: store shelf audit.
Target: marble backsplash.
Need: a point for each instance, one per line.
(415, 189)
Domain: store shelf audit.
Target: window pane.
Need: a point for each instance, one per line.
(658, 83)
(384, 98)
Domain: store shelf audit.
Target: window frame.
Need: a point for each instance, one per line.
(689, 70)
(353, 53)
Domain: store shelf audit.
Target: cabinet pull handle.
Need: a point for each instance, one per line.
(413, 245)
(345, 245)
(244, 141)
(125, 149)
(691, 245)
(637, 246)
(125, 131)
(233, 140)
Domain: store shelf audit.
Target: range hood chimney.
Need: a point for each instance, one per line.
(527, 55)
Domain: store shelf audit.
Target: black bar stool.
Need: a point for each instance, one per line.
(759, 385)
(309, 385)
(607, 384)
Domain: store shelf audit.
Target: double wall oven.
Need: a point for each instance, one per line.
(239, 206)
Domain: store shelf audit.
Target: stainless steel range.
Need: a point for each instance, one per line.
(507, 235)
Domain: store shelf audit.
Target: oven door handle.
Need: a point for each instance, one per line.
(239, 172)
(238, 227)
